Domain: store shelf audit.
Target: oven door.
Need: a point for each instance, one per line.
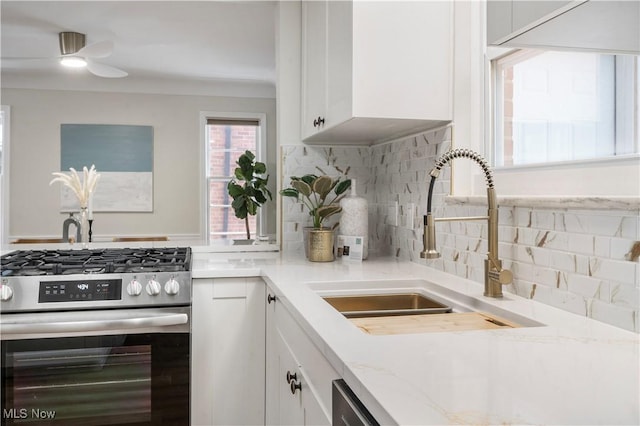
(120, 367)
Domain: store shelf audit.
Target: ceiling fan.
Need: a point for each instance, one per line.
(76, 54)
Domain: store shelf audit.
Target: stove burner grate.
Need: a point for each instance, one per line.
(95, 261)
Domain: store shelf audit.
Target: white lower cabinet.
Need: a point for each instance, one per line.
(299, 378)
(228, 351)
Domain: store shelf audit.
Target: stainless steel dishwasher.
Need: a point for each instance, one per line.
(347, 408)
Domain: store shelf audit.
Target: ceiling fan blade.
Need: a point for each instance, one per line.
(107, 71)
(100, 49)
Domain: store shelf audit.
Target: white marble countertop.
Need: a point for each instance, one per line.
(573, 370)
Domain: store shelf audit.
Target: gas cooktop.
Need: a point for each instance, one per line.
(113, 278)
(95, 261)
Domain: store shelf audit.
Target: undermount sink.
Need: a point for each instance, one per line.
(376, 305)
(414, 306)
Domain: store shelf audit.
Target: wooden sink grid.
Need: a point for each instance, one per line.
(431, 323)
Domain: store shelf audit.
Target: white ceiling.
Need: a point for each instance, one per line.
(191, 47)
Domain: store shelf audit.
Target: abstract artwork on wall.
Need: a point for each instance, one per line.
(122, 154)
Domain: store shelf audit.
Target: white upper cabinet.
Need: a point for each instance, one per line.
(375, 71)
(609, 26)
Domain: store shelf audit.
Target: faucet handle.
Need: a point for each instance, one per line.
(503, 276)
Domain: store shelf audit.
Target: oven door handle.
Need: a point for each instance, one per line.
(105, 325)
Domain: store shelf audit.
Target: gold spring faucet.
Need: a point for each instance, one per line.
(494, 275)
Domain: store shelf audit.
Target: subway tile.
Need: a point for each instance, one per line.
(620, 247)
(476, 274)
(522, 271)
(545, 276)
(534, 255)
(581, 243)
(589, 287)
(462, 242)
(505, 216)
(575, 223)
(621, 271)
(602, 246)
(476, 261)
(611, 226)
(527, 236)
(505, 250)
(541, 293)
(541, 219)
(583, 264)
(563, 261)
(523, 217)
(521, 287)
(555, 240)
(612, 314)
(569, 302)
(625, 296)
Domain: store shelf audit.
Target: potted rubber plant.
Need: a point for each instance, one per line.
(248, 188)
(321, 195)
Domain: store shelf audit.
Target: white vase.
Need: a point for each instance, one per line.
(354, 220)
(84, 226)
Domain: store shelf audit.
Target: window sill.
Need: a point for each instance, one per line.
(551, 202)
(596, 180)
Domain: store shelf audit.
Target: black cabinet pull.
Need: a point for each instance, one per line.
(291, 377)
(271, 298)
(318, 121)
(295, 386)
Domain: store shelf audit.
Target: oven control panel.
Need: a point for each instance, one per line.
(81, 291)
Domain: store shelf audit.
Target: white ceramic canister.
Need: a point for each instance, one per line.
(354, 220)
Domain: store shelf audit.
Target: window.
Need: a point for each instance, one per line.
(564, 106)
(225, 140)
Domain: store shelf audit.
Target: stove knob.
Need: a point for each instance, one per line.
(134, 288)
(153, 288)
(172, 287)
(5, 292)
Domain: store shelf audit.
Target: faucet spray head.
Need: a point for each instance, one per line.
(429, 239)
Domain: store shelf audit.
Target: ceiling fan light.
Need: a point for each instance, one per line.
(73, 61)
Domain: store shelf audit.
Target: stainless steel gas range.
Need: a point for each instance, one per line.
(96, 337)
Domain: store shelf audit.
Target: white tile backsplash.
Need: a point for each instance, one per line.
(573, 259)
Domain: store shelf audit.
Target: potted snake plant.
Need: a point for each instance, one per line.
(321, 195)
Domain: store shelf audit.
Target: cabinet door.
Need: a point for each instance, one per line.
(228, 342)
(272, 376)
(201, 352)
(314, 65)
(286, 347)
(339, 62)
(300, 407)
(313, 412)
(290, 410)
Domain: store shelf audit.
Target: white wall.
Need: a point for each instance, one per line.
(36, 116)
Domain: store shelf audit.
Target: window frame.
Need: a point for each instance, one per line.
(261, 152)
(5, 173)
(598, 177)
